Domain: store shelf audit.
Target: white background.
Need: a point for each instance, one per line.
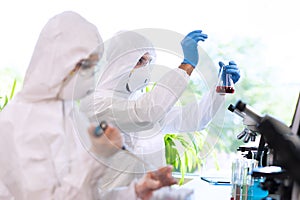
(276, 23)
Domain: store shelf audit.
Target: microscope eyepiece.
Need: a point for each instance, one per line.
(231, 108)
(240, 106)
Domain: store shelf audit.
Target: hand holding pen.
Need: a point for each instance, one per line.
(106, 140)
(115, 139)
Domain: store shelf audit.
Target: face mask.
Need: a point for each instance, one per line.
(77, 87)
(138, 79)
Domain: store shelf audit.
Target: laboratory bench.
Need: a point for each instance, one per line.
(208, 191)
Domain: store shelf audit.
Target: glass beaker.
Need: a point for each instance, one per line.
(225, 82)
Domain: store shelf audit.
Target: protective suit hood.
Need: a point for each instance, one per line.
(41, 157)
(58, 46)
(122, 54)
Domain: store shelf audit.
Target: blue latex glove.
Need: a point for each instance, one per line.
(232, 69)
(189, 47)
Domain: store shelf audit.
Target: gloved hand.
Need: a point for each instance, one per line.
(153, 181)
(232, 69)
(107, 144)
(189, 47)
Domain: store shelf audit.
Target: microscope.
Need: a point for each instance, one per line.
(278, 152)
(250, 133)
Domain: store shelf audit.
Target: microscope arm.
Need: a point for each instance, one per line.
(287, 145)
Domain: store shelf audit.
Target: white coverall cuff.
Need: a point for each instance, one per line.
(131, 190)
(183, 73)
(94, 172)
(120, 193)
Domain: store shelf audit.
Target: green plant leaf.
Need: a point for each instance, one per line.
(5, 102)
(148, 89)
(216, 160)
(171, 142)
(192, 144)
(182, 170)
(13, 89)
(177, 160)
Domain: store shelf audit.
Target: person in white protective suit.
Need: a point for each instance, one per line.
(41, 154)
(143, 119)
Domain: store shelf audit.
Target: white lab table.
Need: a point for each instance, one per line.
(206, 191)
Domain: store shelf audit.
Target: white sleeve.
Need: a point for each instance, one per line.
(120, 193)
(143, 113)
(4, 192)
(81, 181)
(194, 116)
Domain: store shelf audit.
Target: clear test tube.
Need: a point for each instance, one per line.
(236, 179)
(248, 182)
(245, 173)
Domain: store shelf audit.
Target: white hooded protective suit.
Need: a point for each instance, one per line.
(41, 156)
(143, 118)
